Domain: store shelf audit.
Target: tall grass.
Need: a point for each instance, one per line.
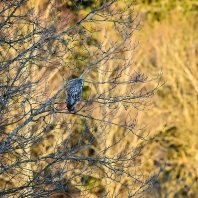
(171, 44)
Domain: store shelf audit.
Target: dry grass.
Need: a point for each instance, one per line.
(172, 44)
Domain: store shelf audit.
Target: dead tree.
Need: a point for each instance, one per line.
(44, 148)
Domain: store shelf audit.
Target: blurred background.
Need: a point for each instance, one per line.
(168, 42)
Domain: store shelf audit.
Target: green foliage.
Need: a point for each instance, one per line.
(156, 10)
(86, 90)
(92, 183)
(85, 4)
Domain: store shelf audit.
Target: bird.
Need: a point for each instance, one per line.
(74, 94)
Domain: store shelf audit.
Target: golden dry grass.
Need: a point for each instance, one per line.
(171, 44)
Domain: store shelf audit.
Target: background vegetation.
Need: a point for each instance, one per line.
(169, 42)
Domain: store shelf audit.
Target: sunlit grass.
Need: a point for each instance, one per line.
(172, 45)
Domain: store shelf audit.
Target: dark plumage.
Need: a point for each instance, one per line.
(74, 93)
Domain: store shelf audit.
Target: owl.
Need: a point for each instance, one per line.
(74, 93)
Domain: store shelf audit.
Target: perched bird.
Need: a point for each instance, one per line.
(74, 93)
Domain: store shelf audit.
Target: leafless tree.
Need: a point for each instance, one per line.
(44, 148)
